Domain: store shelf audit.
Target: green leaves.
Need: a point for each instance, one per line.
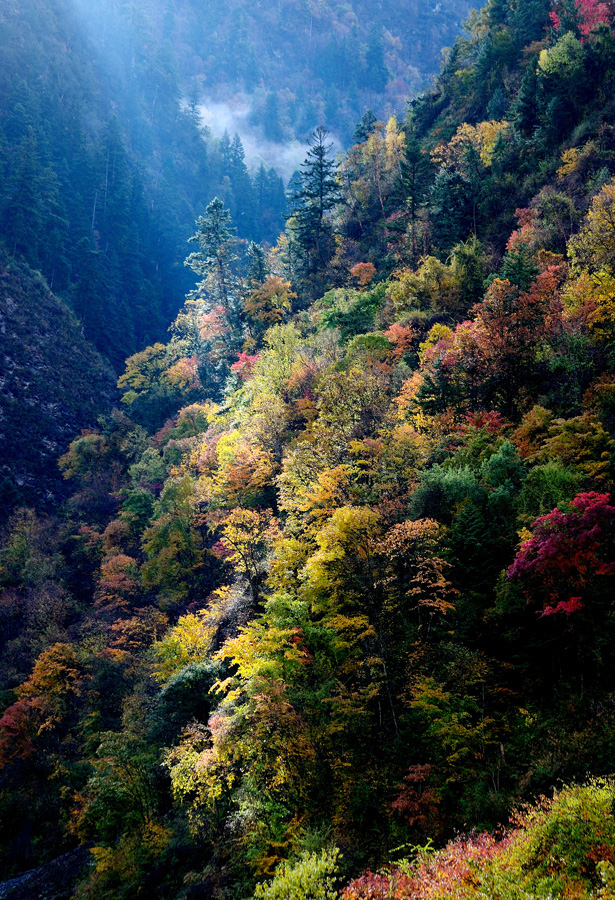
(311, 877)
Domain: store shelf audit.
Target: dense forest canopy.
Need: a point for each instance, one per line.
(120, 121)
(105, 159)
(296, 64)
(326, 608)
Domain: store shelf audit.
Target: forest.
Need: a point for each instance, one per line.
(309, 595)
(107, 159)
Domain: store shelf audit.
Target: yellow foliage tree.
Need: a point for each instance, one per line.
(247, 537)
(481, 138)
(592, 257)
(268, 303)
(434, 285)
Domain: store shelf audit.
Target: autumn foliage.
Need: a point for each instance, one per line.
(569, 555)
(332, 594)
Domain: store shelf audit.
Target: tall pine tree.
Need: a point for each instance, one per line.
(315, 196)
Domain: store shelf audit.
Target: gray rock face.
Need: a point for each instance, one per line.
(54, 881)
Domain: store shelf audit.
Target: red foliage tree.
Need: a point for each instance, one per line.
(493, 361)
(416, 803)
(245, 365)
(568, 555)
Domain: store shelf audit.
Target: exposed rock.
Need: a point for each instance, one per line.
(54, 881)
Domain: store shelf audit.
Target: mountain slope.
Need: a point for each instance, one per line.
(316, 63)
(53, 385)
(340, 578)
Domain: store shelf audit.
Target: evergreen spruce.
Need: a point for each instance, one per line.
(316, 196)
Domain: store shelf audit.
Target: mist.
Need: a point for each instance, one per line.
(115, 37)
(284, 157)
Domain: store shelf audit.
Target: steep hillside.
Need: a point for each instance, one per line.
(336, 586)
(103, 173)
(318, 63)
(105, 164)
(53, 385)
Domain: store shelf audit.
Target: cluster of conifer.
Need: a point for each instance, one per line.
(102, 169)
(301, 64)
(104, 163)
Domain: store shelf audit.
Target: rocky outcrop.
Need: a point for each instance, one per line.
(54, 881)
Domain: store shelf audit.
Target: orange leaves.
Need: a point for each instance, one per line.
(184, 374)
(414, 572)
(530, 435)
(56, 674)
(456, 867)
(118, 585)
(494, 360)
(46, 700)
(268, 303)
(516, 321)
(402, 337)
(136, 634)
(410, 538)
(364, 273)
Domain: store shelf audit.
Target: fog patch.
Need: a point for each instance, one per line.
(237, 118)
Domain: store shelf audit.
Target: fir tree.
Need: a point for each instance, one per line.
(364, 127)
(215, 257)
(257, 263)
(316, 196)
(414, 172)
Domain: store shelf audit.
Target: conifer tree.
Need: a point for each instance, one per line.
(414, 173)
(316, 196)
(215, 257)
(257, 263)
(364, 127)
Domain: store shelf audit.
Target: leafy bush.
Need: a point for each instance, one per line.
(560, 847)
(312, 877)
